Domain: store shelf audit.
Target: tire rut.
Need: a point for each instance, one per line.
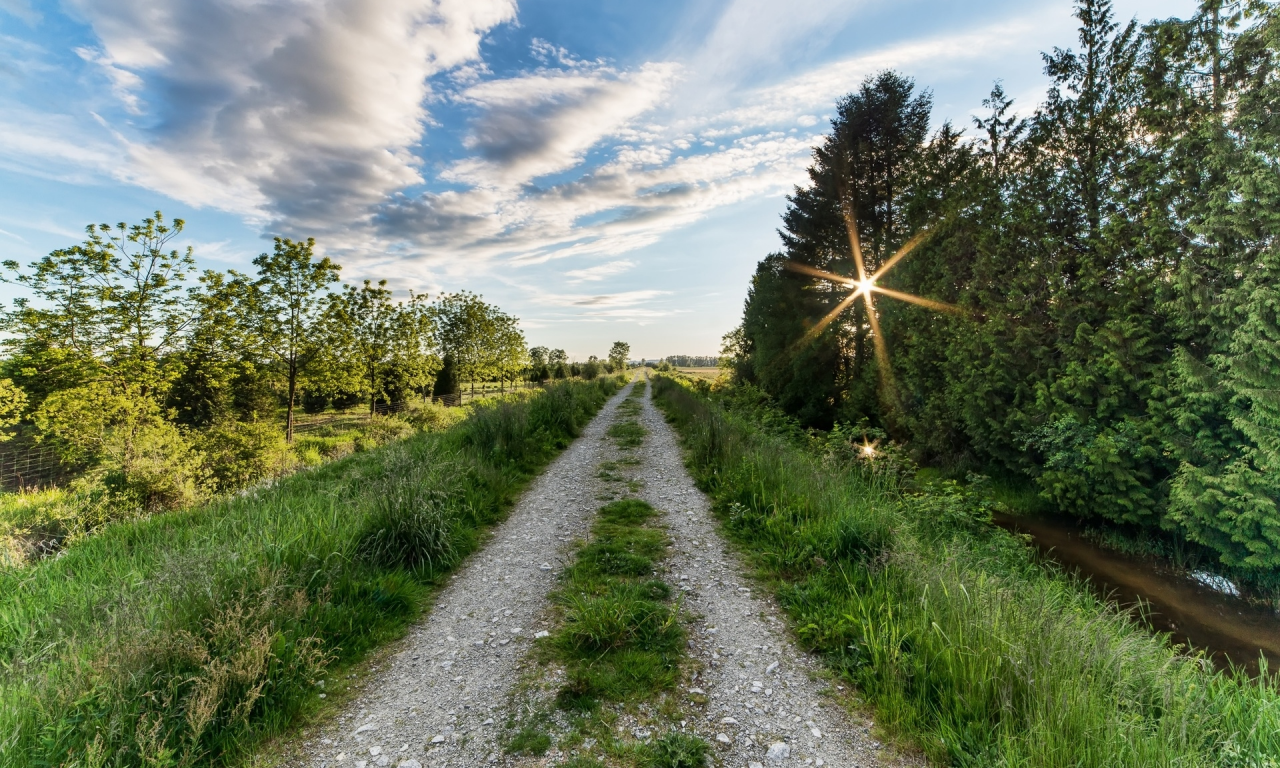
(758, 699)
(440, 697)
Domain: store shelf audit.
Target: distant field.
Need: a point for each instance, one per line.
(710, 373)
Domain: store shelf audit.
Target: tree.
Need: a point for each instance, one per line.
(290, 310)
(375, 331)
(114, 307)
(479, 339)
(618, 355)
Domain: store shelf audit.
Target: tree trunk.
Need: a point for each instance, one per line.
(293, 388)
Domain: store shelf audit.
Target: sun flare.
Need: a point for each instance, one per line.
(863, 287)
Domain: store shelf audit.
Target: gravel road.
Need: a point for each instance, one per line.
(443, 693)
(440, 698)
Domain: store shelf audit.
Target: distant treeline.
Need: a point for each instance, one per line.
(692, 361)
(1114, 259)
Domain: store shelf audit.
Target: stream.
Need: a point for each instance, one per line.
(1227, 628)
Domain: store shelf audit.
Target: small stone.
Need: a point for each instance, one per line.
(730, 721)
(409, 764)
(322, 696)
(778, 751)
(437, 739)
(362, 763)
(723, 738)
(769, 670)
(375, 751)
(363, 728)
(341, 756)
(543, 633)
(754, 764)
(488, 721)
(383, 761)
(545, 567)
(817, 734)
(697, 692)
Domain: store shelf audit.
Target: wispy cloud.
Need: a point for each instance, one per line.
(598, 272)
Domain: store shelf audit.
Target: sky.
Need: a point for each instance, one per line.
(608, 170)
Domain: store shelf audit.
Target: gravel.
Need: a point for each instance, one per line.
(446, 691)
(441, 698)
(766, 702)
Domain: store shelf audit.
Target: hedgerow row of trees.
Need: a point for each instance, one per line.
(692, 361)
(555, 364)
(124, 356)
(1115, 263)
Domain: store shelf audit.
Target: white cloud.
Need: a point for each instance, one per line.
(598, 272)
(21, 9)
(544, 122)
(297, 113)
(311, 117)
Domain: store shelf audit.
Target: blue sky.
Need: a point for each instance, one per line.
(604, 170)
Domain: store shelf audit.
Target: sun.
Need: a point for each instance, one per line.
(865, 287)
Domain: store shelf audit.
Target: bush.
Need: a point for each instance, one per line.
(238, 454)
(433, 417)
(410, 526)
(313, 402)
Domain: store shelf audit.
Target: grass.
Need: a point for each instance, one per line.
(627, 431)
(620, 643)
(38, 523)
(620, 638)
(186, 638)
(947, 626)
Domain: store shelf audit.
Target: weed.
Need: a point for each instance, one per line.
(529, 740)
(675, 750)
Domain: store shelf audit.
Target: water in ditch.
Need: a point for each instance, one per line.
(1201, 613)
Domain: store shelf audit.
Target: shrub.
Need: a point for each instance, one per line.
(411, 525)
(238, 454)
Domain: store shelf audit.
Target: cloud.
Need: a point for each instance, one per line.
(598, 272)
(21, 9)
(544, 122)
(310, 117)
(294, 113)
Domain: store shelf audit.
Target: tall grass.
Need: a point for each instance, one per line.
(950, 629)
(184, 638)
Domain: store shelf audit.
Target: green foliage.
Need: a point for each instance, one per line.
(949, 627)
(620, 639)
(482, 341)
(676, 750)
(1110, 262)
(239, 454)
(120, 432)
(529, 740)
(618, 354)
(13, 404)
(188, 637)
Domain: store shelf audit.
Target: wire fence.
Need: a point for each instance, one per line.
(28, 466)
(25, 465)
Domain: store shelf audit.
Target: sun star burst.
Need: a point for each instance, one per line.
(864, 287)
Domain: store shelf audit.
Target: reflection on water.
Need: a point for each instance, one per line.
(1201, 613)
